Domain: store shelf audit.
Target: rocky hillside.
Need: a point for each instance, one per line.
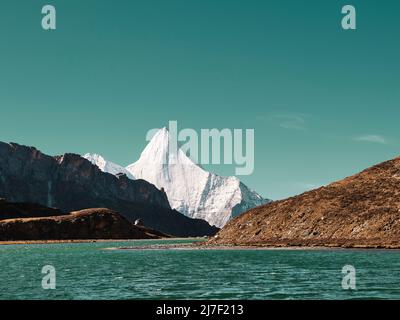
(360, 211)
(71, 183)
(85, 224)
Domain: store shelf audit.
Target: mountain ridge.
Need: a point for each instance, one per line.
(70, 183)
(107, 166)
(191, 189)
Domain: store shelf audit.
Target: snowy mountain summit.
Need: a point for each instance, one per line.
(190, 189)
(107, 166)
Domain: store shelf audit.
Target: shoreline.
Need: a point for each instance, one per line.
(24, 242)
(198, 244)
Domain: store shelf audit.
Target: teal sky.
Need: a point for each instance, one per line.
(324, 102)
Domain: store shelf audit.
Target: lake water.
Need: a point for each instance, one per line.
(85, 271)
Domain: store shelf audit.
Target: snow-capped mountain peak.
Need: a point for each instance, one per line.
(107, 166)
(191, 190)
(161, 149)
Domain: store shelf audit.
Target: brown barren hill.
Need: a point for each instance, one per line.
(98, 223)
(359, 211)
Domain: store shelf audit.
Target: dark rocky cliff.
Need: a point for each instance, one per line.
(71, 183)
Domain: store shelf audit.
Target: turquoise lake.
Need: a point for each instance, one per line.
(86, 271)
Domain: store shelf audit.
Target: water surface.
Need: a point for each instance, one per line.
(85, 271)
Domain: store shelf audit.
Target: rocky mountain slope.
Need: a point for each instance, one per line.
(85, 224)
(71, 183)
(190, 189)
(362, 210)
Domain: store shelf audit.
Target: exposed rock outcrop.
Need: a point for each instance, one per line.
(71, 183)
(98, 223)
(360, 211)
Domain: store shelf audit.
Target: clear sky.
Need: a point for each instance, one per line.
(324, 102)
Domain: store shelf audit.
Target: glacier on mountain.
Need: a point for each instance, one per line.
(190, 189)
